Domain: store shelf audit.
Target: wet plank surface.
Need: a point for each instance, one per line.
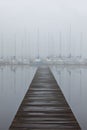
(44, 106)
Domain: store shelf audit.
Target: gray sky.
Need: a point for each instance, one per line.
(25, 17)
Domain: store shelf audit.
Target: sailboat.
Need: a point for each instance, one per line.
(14, 57)
(37, 59)
(1, 57)
(48, 59)
(60, 60)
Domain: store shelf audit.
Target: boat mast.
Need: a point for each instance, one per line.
(2, 46)
(60, 42)
(15, 46)
(70, 42)
(22, 50)
(48, 44)
(29, 46)
(38, 43)
(81, 41)
(25, 43)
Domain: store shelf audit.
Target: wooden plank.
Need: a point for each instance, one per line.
(44, 106)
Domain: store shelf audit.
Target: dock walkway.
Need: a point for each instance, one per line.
(44, 106)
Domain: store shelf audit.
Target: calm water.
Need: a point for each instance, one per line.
(14, 82)
(73, 83)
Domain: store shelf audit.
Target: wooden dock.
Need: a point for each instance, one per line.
(44, 106)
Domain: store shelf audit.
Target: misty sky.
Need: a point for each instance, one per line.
(21, 20)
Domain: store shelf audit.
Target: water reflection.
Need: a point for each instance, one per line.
(73, 83)
(14, 82)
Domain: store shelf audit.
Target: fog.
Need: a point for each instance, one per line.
(52, 27)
